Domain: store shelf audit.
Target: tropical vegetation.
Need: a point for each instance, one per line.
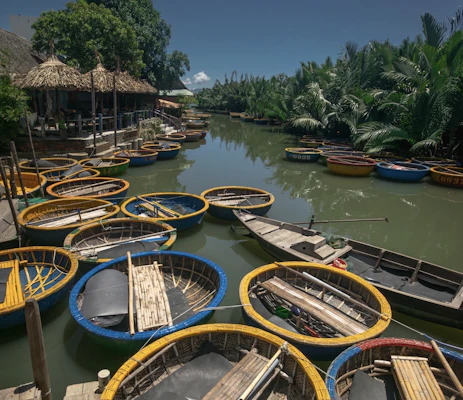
(406, 99)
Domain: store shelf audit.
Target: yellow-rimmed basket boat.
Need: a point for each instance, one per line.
(320, 309)
(102, 241)
(218, 361)
(448, 176)
(313, 143)
(223, 200)
(50, 222)
(172, 137)
(56, 175)
(46, 164)
(235, 114)
(43, 273)
(31, 183)
(110, 166)
(351, 165)
(100, 188)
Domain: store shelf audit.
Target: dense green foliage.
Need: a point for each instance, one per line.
(404, 99)
(13, 106)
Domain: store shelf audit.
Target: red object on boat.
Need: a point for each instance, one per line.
(339, 263)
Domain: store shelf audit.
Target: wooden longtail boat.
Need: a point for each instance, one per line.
(235, 114)
(61, 174)
(224, 199)
(138, 158)
(110, 189)
(170, 291)
(435, 162)
(320, 309)
(111, 166)
(402, 171)
(351, 165)
(218, 361)
(302, 154)
(32, 184)
(181, 210)
(50, 222)
(314, 143)
(46, 164)
(411, 285)
(448, 176)
(165, 150)
(246, 118)
(172, 137)
(331, 153)
(102, 241)
(381, 368)
(43, 273)
(261, 121)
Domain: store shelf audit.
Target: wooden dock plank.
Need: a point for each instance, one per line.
(27, 391)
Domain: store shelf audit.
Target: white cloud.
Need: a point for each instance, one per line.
(201, 77)
(187, 81)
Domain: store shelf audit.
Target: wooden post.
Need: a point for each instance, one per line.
(10, 201)
(13, 186)
(14, 155)
(115, 110)
(93, 112)
(447, 367)
(34, 157)
(37, 348)
(79, 124)
(130, 272)
(100, 123)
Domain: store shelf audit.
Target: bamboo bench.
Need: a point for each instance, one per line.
(319, 309)
(14, 293)
(151, 302)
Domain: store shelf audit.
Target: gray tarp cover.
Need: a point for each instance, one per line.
(365, 387)
(106, 293)
(260, 308)
(4, 276)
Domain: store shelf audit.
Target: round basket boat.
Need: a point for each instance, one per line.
(302, 154)
(235, 114)
(50, 222)
(388, 158)
(181, 210)
(138, 158)
(333, 147)
(102, 241)
(435, 162)
(172, 137)
(31, 183)
(313, 143)
(110, 166)
(261, 121)
(327, 154)
(351, 165)
(56, 175)
(203, 133)
(402, 171)
(172, 291)
(193, 136)
(45, 164)
(332, 325)
(218, 361)
(45, 274)
(448, 176)
(224, 199)
(246, 118)
(165, 150)
(354, 372)
(110, 189)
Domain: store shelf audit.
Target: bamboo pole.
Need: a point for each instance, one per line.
(447, 367)
(14, 155)
(34, 158)
(115, 109)
(9, 199)
(93, 110)
(130, 272)
(329, 221)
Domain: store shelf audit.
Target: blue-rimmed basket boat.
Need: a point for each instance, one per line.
(56, 175)
(45, 274)
(181, 210)
(448, 176)
(102, 241)
(100, 188)
(223, 200)
(172, 137)
(402, 171)
(327, 154)
(281, 298)
(344, 381)
(165, 150)
(32, 184)
(138, 158)
(302, 154)
(186, 283)
(50, 222)
(52, 163)
(217, 361)
(109, 166)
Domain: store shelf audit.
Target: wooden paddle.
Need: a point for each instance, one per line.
(130, 273)
(451, 171)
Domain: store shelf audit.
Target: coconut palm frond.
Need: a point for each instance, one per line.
(433, 31)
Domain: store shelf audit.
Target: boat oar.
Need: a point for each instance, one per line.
(130, 273)
(447, 367)
(451, 171)
(340, 293)
(329, 221)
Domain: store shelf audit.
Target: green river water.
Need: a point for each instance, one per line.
(425, 221)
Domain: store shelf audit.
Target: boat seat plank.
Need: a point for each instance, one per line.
(151, 302)
(14, 291)
(73, 219)
(322, 311)
(90, 190)
(235, 382)
(414, 378)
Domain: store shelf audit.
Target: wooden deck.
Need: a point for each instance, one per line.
(319, 309)
(27, 391)
(151, 302)
(82, 391)
(7, 228)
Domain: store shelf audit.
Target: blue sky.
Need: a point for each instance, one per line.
(269, 37)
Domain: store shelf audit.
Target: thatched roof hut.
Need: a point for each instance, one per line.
(102, 78)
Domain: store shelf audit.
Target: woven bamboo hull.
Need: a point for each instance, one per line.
(60, 161)
(226, 212)
(324, 156)
(52, 295)
(402, 175)
(31, 184)
(362, 354)
(301, 156)
(217, 281)
(118, 167)
(350, 170)
(447, 178)
(193, 137)
(435, 162)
